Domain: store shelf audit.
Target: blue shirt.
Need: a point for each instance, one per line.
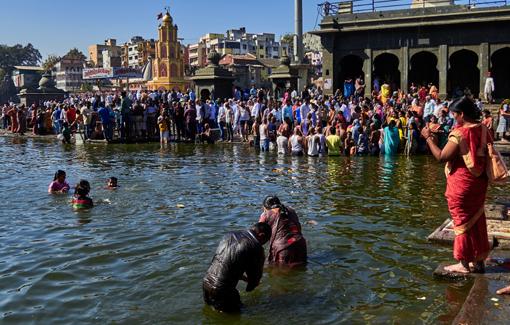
(104, 115)
(287, 112)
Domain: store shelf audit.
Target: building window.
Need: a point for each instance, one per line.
(163, 51)
(245, 46)
(262, 56)
(261, 47)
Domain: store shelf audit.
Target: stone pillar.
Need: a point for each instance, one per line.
(442, 67)
(329, 70)
(483, 65)
(298, 31)
(404, 69)
(367, 69)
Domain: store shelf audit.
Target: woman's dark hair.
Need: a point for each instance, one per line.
(273, 202)
(59, 173)
(466, 106)
(83, 188)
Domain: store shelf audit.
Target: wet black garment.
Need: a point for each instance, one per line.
(238, 253)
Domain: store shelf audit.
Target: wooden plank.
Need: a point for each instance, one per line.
(436, 236)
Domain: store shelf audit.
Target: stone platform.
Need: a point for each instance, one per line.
(483, 305)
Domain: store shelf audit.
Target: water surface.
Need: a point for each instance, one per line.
(140, 254)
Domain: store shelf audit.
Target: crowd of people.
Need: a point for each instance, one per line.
(300, 123)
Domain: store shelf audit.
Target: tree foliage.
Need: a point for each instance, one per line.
(288, 38)
(76, 54)
(18, 55)
(50, 62)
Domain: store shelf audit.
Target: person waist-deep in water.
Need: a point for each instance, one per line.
(59, 184)
(287, 245)
(239, 256)
(80, 199)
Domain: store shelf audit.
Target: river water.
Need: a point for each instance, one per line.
(140, 254)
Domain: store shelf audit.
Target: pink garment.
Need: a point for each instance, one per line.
(56, 186)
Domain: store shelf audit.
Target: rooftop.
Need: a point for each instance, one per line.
(356, 18)
(28, 67)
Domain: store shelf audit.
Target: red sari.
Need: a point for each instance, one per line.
(466, 189)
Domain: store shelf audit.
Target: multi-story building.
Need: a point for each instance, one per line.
(69, 73)
(137, 51)
(236, 42)
(111, 60)
(198, 52)
(96, 51)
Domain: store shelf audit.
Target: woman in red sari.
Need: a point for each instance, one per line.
(287, 245)
(466, 185)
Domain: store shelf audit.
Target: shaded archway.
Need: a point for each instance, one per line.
(351, 67)
(500, 69)
(423, 69)
(205, 94)
(463, 73)
(386, 70)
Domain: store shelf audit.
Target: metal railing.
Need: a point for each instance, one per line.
(360, 6)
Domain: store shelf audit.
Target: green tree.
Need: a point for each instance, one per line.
(50, 62)
(288, 38)
(76, 54)
(18, 55)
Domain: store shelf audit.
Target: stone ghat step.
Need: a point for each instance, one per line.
(497, 267)
(483, 305)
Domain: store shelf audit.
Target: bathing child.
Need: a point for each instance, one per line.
(59, 184)
(81, 200)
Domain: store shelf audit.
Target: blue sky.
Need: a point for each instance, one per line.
(55, 26)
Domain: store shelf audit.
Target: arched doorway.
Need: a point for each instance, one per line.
(351, 67)
(463, 73)
(205, 94)
(500, 69)
(386, 70)
(423, 69)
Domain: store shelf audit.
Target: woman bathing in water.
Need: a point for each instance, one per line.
(287, 245)
(81, 200)
(59, 184)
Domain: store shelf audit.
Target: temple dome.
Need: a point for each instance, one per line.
(167, 18)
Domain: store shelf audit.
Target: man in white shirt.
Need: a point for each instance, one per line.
(257, 109)
(429, 108)
(489, 88)
(222, 115)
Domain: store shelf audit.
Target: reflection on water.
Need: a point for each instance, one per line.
(139, 255)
